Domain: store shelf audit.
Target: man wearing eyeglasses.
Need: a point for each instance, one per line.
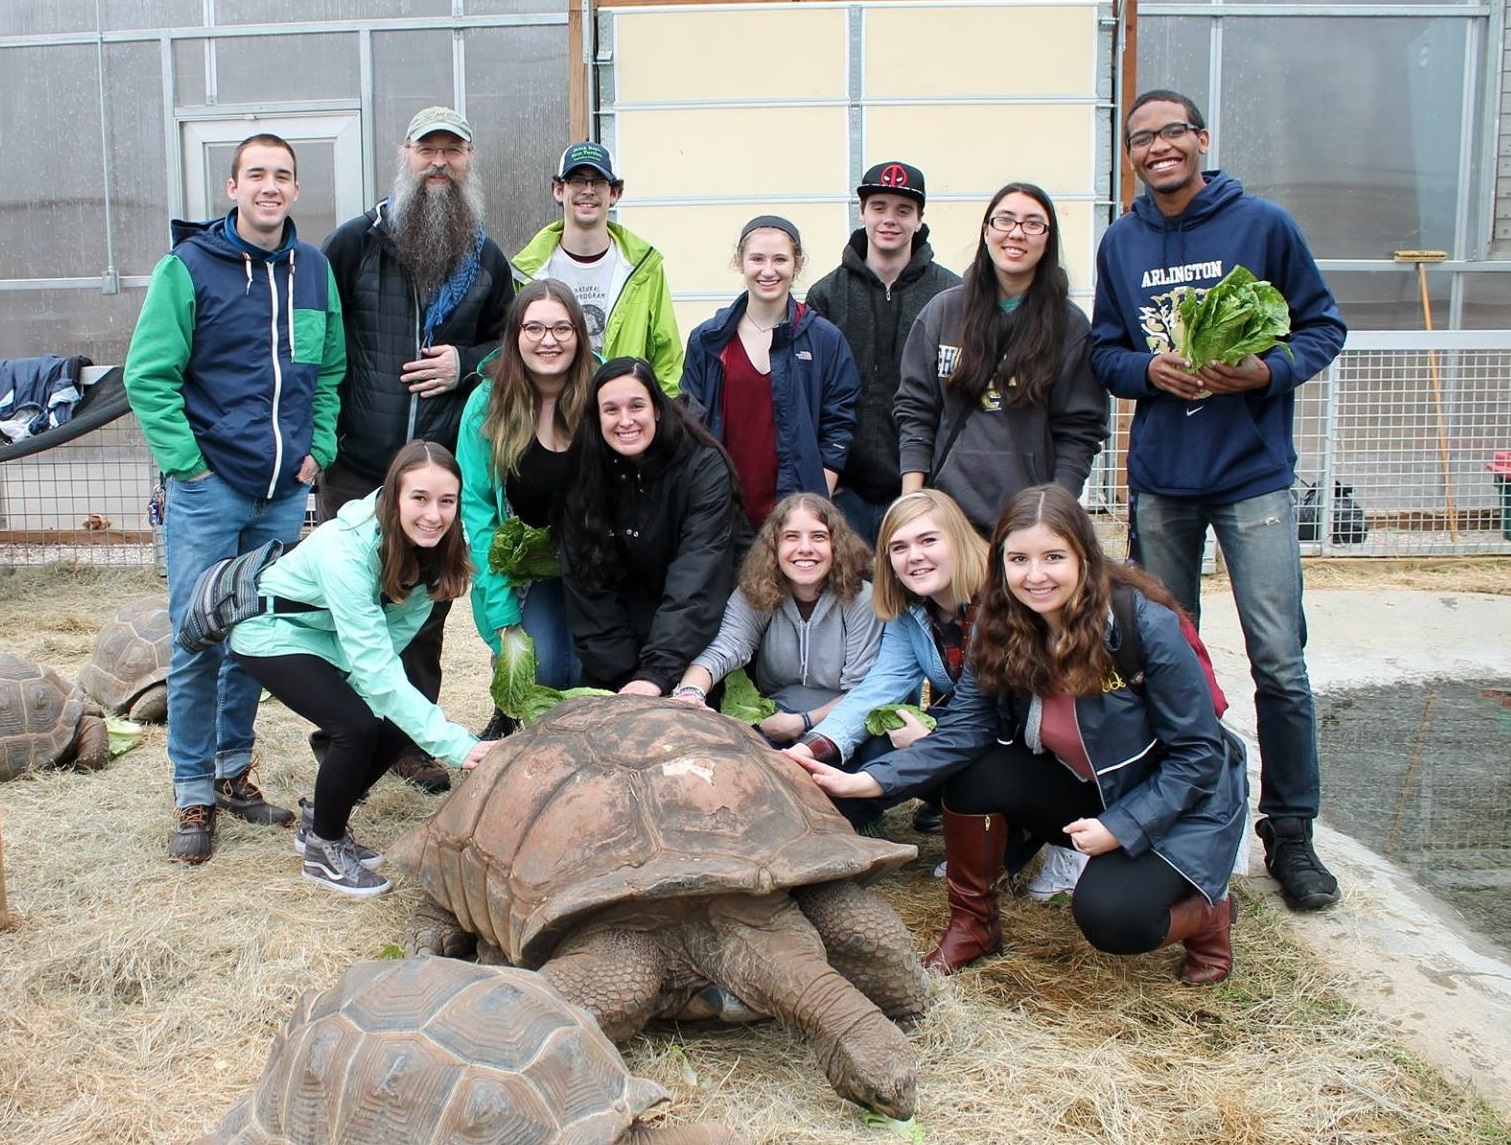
(618, 278)
(425, 293)
(1211, 444)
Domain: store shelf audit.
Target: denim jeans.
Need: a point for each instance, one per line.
(212, 702)
(543, 615)
(1258, 540)
(864, 516)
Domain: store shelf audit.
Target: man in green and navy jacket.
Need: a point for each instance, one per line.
(232, 373)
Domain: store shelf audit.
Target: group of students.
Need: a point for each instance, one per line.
(717, 530)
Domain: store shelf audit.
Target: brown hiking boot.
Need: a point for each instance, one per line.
(421, 769)
(240, 796)
(192, 841)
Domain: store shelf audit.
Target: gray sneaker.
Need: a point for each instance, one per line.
(335, 865)
(372, 860)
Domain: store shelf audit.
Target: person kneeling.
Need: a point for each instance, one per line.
(345, 603)
(1042, 733)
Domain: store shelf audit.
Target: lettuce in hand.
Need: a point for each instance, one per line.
(741, 700)
(885, 718)
(1241, 315)
(523, 553)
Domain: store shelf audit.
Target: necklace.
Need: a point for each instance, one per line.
(764, 329)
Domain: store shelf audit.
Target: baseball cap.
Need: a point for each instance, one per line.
(587, 154)
(432, 119)
(893, 177)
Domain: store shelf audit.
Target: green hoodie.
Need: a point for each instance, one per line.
(641, 323)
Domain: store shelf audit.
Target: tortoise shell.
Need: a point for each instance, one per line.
(625, 799)
(39, 716)
(131, 655)
(433, 1050)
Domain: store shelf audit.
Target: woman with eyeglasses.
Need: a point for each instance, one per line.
(997, 392)
(512, 450)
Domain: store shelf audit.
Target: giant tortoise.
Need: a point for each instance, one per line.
(128, 670)
(430, 1051)
(644, 855)
(46, 721)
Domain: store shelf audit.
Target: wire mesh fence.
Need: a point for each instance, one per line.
(1400, 439)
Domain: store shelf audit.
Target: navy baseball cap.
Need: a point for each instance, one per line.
(593, 155)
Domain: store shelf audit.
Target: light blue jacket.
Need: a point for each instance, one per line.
(336, 567)
(908, 656)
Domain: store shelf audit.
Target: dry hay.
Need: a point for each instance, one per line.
(140, 998)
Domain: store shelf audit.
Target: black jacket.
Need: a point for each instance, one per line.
(675, 522)
(384, 321)
(875, 320)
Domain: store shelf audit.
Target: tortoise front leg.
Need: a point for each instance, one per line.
(765, 951)
(614, 973)
(703, 1133)
(435, 930)
(869, 945)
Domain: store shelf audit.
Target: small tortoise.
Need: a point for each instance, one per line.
(430, 1050)
(648, 856)
(128, 672)
(44, 721)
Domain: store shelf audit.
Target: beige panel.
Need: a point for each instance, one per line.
(699, 243)
(777, 52)
(1009, 50)
(752, 151)
(1052, 145)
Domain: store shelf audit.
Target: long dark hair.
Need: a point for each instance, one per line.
(585, 514)
(444, 570)
(1011, 647)
(1026, 347)
(514, 402)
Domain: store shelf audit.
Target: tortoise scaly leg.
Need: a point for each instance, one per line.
(91, 745)
(769, 955)
(614, 973)
(151, 707)
(435, 930)
(869, 945)
(703, 1133)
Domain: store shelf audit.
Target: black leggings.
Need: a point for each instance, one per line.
(1121, 904)
(362, 746)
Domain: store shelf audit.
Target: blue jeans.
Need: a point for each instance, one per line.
(212, 702)
(864, 516)
(1258, 540)
(543, 615)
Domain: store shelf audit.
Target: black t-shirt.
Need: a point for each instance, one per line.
(541, 480)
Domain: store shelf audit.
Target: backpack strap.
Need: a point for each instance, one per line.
(1128, 656)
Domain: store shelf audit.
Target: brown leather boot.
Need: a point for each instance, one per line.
(973, 846)
(1207, 932)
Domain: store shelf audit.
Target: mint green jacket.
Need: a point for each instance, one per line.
(336, 567)
(495, 604)
(641, 323)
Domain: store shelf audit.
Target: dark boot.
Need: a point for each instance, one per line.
(240, 796)
(421, 769)
(499, 726)
(1291, 861)
(973, 846)
(1206, 929)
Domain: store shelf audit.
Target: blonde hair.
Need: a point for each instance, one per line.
(889, 597)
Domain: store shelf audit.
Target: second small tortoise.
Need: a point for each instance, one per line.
(44, 720)
(128, 671)
(645, 855)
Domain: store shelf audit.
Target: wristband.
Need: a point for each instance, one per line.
(689, 690)
(807, 722)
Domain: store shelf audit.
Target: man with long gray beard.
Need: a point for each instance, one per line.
(424, 292)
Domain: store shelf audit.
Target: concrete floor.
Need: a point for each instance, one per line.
(1396, 949)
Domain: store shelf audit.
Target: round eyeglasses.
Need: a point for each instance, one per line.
(1004, 224)
(561, 331)
(1171, 131)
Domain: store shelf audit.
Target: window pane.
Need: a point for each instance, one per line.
(1487, 301)
(517, 105)
(411, 70)
(287, 69)
(42, 17)
(1352, 124)
(282, 12)
(1388, 300)
(513, 7)
(52, 205)
(69, 322)
(134, 90)
(1173, 53)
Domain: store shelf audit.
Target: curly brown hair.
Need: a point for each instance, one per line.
(761, 578)
(1012, 648)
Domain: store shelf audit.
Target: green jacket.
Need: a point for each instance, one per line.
(641, 323)
(495, 604)
(336, 567)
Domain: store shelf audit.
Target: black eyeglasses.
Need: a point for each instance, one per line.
(561, 331)
(1004, 224)
(1172, 131)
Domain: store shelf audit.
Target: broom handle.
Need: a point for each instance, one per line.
(1437, 398)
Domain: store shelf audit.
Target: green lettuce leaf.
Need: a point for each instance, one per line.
(1241, 315)
(124, 734)
(514, 672)
(523, 553)
(540, 699)
(885, 718)
(741, 700)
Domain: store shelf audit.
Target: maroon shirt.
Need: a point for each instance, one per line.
(750, 429)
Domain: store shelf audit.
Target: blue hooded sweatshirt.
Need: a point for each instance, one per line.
(235, 360)
(1229, 447)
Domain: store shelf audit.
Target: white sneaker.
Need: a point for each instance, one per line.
(1058, 873)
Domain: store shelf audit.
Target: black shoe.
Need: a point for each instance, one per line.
(928, 819)
(193, 839)
(1291, 861)
(241, 797)
(499, 726)
(421, 769)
